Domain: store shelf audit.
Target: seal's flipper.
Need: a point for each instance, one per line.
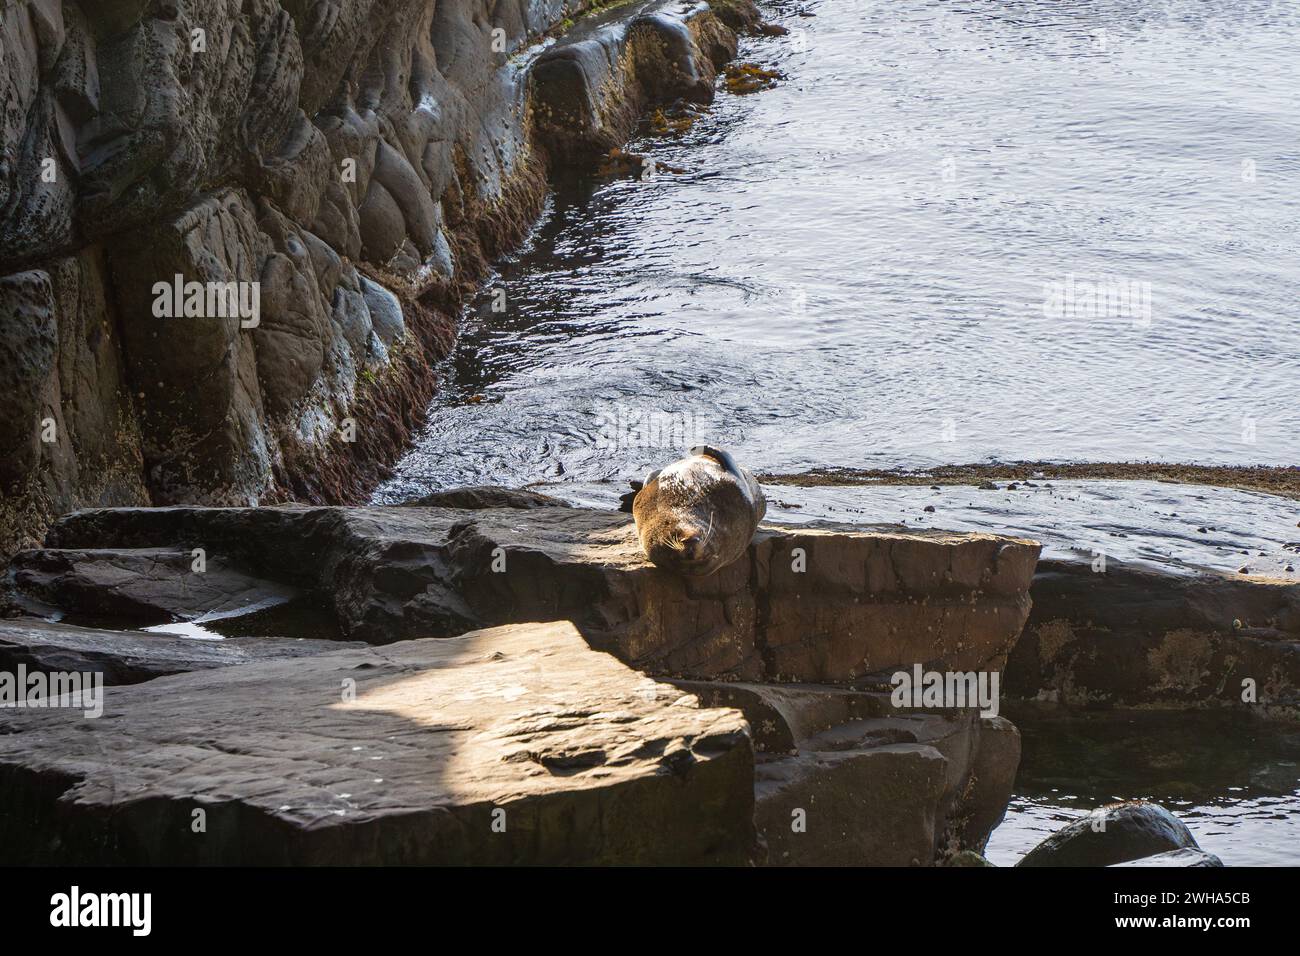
(625, 500)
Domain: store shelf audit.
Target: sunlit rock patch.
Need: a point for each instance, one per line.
(518, 745)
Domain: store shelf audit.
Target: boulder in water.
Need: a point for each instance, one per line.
(1115, 834)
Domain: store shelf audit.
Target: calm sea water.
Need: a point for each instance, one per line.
(869, 264)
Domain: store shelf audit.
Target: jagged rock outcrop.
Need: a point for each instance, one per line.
(67, 415)
(823, 604)
(517, 745)
(590, 88)
(1134, 636)
(233, 237)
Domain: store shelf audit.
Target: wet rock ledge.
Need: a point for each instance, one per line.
(359, 161)
(738, 718)
(1138, 636)
(826, 604)
(1149, 595)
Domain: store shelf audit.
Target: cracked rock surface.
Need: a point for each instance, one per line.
(789, 647)
(513, 745)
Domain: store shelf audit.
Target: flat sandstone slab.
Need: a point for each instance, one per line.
(1180, 529)
(827, 604)
(152, 584)
(517, 745)
(846, 779)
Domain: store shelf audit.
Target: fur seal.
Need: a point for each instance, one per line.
(698, 514)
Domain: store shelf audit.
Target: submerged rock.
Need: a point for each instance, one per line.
(1115, 834)
(516, 745)
(1187, 857)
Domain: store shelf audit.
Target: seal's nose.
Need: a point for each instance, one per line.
(693, 547)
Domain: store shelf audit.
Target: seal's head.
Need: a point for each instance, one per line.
(697, 515)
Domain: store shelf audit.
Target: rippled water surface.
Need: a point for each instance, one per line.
(867, 265)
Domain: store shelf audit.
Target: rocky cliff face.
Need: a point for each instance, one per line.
(234, 234)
